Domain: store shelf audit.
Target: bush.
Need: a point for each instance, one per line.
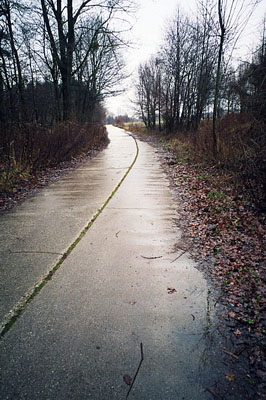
(241, 150)
(29, 148)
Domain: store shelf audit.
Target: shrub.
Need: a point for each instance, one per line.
(241, 150)
(28, 148)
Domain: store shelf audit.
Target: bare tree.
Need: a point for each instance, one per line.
(7, 9)
(102, 71)
(61, 20)
(232, 17)
(174, 87)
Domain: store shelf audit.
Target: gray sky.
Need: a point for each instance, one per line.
(147, 33)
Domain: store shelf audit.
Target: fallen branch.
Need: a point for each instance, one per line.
(151, 258)
(181, 254)
(215, 395)
(230, 354)
(33, 252)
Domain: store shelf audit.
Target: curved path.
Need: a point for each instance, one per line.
(35, 235)
(119, 286)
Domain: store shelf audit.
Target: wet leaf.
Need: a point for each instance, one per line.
(232, 314)
(230, 377)
(127, 379)
(171, 290)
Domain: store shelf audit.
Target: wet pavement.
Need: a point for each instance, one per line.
(124, 284)
(34, 235)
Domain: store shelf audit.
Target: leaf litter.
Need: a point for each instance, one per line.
(228, 239)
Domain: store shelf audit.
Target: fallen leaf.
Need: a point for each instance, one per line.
(132, 302)
(261, 374)
(237, 332)
(231, 314)
(127, 379)
(171, 290)
(230, 377)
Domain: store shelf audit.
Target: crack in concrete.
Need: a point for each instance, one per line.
(12, 316)
(32, 252)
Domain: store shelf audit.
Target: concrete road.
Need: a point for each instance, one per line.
(122, 285)
(34, 236)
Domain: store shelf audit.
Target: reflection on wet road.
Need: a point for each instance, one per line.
(35, 234)
(122, 285)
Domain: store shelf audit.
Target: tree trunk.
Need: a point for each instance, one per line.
(17, 60)
(68, 102)
(63, 56)
(2, 113)
(217, 81)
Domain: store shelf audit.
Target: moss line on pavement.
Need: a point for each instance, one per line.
(19, 308)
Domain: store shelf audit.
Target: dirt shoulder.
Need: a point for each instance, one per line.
(226, 235)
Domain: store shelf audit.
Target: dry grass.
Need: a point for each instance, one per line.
(135, 127)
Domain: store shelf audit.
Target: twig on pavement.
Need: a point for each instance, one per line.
(181, 254)
(151, 258)
(135, 376)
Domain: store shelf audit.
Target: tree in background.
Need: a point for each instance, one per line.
(11, 69)
(148, 92)
(59, 59)
(199, 80)
(174, 88)
(194, 72)
(69, 32)
(250, 85)
(98, 66)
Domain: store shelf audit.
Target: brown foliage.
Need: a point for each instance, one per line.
(241, 149)
(29, 148)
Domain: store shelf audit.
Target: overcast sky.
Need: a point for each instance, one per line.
(147, 33)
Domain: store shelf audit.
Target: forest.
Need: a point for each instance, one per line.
(59, 60)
